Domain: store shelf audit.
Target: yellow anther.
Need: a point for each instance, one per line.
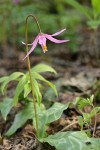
(45, 48)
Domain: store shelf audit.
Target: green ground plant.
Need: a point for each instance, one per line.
(86, 117)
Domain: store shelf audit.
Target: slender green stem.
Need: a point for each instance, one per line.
(29, 69)
(30, 15)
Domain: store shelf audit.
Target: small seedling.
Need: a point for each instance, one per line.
(86, 118)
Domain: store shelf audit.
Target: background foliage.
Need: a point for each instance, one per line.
(52, 16)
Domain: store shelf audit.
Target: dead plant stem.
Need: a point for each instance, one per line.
(73, 123)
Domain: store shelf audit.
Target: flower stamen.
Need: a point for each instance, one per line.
(45, 48)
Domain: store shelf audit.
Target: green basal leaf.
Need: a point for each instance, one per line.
(72, 141)
(50, 115)
(44, 117)
(5, 107)
(94, 143)
(43, 68)
(21, 118)
(10, 78)
(55, 112)
(20, 88)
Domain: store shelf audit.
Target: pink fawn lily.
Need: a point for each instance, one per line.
(41, 39)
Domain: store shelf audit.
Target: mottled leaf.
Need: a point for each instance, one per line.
(50, 115)
(21, 118)
(72, 141)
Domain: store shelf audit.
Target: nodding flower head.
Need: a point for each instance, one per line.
(42, 42)
(41, 39)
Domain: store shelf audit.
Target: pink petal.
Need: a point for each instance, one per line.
(42, 48)
(55, 40)
(42, 42)
(42, 39)
(57, 33)
(33, 47)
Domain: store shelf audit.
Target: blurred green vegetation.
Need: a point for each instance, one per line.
(52, 15)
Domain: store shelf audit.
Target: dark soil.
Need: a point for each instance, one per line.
(24, 140)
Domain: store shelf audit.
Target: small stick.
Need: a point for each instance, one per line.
(75, 122)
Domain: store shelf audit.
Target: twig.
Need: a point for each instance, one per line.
(75, 122)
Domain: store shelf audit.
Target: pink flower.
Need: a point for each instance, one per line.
(41, 39)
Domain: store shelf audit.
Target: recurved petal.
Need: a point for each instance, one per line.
(55, 40)
(57, 33)
(33, 47)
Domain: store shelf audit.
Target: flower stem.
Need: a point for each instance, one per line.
(29, 69)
